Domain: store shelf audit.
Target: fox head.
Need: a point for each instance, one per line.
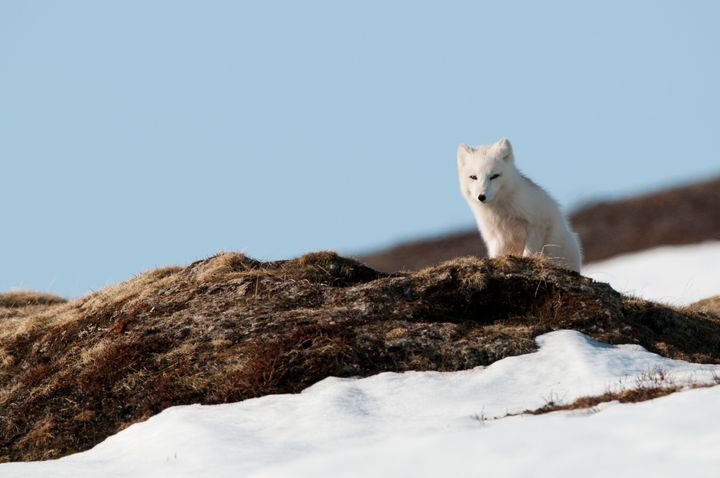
(484, 170)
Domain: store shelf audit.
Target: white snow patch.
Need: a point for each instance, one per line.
(676, 275)
(673, 436)
(431, 424)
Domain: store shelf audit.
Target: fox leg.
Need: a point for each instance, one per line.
(533, 243)
(494, 246)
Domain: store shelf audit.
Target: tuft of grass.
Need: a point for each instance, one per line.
(327, 267)
(590, 402)
(28, 298)
(225, 265)
(653, 383)
(711, 305)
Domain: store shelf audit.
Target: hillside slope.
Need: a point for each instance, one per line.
(682, 215)
(228, 328)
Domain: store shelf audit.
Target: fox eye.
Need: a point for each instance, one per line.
(473, 177)
(494, 176)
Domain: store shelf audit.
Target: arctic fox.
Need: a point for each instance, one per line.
(515, 216)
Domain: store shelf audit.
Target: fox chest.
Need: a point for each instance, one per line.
(504, 234)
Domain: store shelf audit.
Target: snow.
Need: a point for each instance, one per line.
(677, 275)
(453, 424)
(667, 437)
(427, 424)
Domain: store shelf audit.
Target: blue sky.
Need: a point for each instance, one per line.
(136, 134)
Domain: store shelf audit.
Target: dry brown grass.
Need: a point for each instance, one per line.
(711, 305)
(226, 264)
(28, 298)
(589, 402)
(653, 383)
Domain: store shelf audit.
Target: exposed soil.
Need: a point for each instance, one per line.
(229, 328)
(682, 215)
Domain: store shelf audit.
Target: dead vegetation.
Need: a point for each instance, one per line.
(653, 383)
(27, 298)
(632, 395)
(229, 327)
(711, 305)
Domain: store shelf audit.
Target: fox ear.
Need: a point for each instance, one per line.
(463, 151)
(504, 150)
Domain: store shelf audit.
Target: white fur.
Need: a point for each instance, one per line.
(517, 217)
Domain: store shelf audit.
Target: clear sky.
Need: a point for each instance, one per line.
(136, 134)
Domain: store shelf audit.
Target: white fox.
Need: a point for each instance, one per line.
(515, 216)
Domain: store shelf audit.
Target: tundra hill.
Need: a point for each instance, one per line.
(676, 216)
(229, 328)
(711, 305)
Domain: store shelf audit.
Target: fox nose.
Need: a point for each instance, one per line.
(481, 198)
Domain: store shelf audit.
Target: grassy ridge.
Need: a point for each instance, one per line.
(229, 327)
